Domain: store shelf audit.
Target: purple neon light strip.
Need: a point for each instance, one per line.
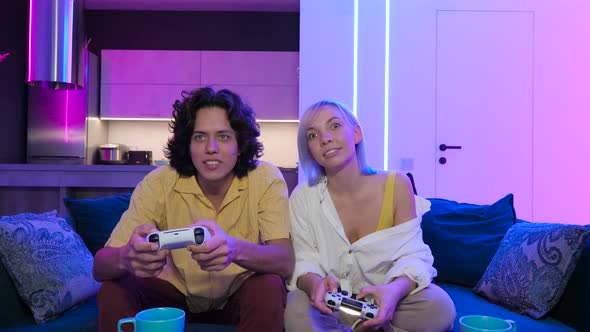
(66, 126)
(30, 38)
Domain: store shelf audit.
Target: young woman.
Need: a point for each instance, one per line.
(357, 230)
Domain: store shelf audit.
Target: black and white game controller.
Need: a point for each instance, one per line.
(179, 238)
(341, 301)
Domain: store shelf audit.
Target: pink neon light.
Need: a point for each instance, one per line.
(30, 38)
(67, 111)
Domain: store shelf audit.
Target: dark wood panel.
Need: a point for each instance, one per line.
(13, 91)
(192, 30)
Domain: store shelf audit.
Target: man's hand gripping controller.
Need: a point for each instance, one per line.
(179, 238)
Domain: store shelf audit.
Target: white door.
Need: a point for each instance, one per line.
(484, 104)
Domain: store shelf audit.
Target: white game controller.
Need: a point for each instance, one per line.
(341, 301)
(179, 238)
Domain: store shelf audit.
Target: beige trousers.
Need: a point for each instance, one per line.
(429, 310)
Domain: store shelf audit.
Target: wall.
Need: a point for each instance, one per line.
(279, 139)
(13, 92)
(561, 84)
(560, 99)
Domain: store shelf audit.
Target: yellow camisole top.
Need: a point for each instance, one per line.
(386, 217)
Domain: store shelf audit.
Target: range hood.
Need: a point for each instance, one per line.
(55, 44)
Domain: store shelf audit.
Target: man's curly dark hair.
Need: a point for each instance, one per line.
(241, 118)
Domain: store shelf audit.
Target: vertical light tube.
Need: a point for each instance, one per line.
(66, 124)
(30, 39)
(68, 35)
(355, 58)
(386, 92)
(55, 41)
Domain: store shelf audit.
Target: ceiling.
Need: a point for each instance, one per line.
(199, 5)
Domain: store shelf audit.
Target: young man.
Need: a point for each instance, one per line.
(214, 180)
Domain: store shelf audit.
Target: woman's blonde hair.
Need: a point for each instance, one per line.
(313, 171)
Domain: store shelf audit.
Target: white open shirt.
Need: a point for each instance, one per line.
(321, 245)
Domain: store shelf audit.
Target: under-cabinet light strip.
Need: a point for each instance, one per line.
(167, 120)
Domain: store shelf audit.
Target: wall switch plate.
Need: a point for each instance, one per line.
(407, 164)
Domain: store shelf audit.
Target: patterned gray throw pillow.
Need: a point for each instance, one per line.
(48, 262)
(532, 266)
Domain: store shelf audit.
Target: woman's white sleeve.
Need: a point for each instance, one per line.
(307, 257)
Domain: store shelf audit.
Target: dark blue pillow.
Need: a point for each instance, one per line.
(96, 218)
(464, 237)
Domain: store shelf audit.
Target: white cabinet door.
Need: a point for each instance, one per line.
(484, 104)
(249, 68)
(139, 84)
(140, 101)
(150, 67)
(269, 102)
(268, 81)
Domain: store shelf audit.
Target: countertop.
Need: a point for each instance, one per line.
(53, 175)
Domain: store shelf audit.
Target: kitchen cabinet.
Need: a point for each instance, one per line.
(268, 81)
(145, 84)
(140, 101)
(150, 67)
(249, 68)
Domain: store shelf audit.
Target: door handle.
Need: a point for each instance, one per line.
(444, 147)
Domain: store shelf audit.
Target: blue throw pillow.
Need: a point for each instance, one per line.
(95, 218)
(532, 267)
(464, 237)
(48, 262)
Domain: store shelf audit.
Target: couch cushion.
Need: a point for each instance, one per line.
(80, 319)
(532, 266)
(464, 237)
(47, 261)
(573, 306)
(14, 311)
(95, 218)
(468, 303)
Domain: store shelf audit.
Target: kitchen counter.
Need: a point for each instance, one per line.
(51, 175)
(42, 187)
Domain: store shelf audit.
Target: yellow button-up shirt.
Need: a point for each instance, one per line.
(254, 209)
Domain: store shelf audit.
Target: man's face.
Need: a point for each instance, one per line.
(214, 147)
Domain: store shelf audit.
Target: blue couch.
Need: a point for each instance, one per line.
(568, 315)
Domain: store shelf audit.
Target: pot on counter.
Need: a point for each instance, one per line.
(112, 153)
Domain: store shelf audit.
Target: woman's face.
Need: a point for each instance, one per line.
(214, 147)
(331, 139)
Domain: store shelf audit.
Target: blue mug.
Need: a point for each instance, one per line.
(156, 320)
(477, 323)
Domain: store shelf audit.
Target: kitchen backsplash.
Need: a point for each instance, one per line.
(279, 139)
